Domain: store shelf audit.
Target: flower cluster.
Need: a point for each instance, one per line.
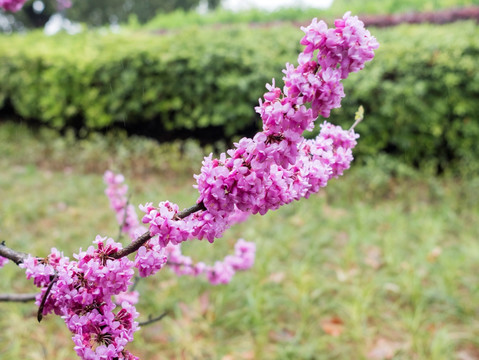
(168, 233)
(81, 291)
(278, 165)
(266, 172)
(117, 191)
(222, 271)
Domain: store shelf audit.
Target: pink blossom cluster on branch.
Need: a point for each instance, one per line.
(277, 166)
(222, 271)
(270, 170)
(81, 292)
(155, 253)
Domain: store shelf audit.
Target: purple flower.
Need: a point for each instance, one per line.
(3, 261)
(12, 5)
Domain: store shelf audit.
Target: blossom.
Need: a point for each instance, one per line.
(12, 5)
(222, 271)
(81, 292)
(125, 213)
(3, 261)
(150, 258)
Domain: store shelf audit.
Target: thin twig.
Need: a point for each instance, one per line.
(17, 297)
(153, 320)
(45, 296)
(358, 117)
(19, 257)
(191, 210)
(135, 284)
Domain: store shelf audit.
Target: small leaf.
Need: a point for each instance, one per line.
(359, 115)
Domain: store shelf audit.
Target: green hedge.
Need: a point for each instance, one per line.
(421, 95)
(421, 92)
(181, 80)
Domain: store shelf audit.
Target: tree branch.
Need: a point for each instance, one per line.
(16, 256)
(133, 246)
(139, 242)
(152, 320)
(17, 297)
(19, 257)
(191, 210)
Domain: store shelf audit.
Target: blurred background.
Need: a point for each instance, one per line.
(381, 264)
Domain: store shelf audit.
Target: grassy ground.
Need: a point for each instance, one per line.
(374, 267)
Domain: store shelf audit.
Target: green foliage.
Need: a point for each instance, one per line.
(177, 81)
(99, 13)
(103, 12)
(419, 94)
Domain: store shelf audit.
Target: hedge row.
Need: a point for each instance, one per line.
(421, 92)
(150, 82)
(421, 95)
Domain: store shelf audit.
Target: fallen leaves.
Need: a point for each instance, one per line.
(276, 277)
(247, 355)
(384, 349)
(282, 335)
(345, 275)
(333, 326)
(373, 257)
(434, 254)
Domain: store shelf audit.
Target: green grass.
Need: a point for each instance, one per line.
(388, 264)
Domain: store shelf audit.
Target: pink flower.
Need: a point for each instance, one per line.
(131, 297)
(150, 258)
(12, 5)
(3, 261)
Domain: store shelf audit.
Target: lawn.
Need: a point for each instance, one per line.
(375, 266)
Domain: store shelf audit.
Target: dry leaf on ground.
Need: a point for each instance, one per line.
(383, 349)
(333, 326)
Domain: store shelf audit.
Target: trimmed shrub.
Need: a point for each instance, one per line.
(421, 93)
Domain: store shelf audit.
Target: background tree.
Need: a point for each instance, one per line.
(36, 13)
